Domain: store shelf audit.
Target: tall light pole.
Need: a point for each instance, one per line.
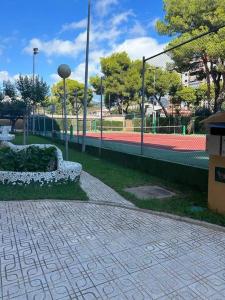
(35, 52)
(86, 79)
(143, 104)
(77, 116)
(102, 91)
(64, 72)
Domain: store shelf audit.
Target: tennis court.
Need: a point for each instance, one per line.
(174, 142)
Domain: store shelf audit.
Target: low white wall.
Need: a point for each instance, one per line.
(66, 170)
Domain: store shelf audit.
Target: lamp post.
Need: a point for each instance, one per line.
(77, 116)
(35, 52)
(86, 79)
(64, 72)
(102, 91)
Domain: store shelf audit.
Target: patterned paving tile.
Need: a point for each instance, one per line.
(100, 192)
(69, 250)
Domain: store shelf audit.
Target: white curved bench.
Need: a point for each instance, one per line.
(4, 134)
(66, 170)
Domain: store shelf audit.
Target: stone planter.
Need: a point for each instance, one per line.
(66, 170)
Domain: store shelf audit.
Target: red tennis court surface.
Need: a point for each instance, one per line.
(163, 141)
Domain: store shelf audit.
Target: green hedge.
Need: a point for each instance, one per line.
(31, 159)
(40, 122)
(171, 121)
(94, 125)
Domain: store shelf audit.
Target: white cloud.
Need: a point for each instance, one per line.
(74, 25)
(144, 46)
(136, 48)
(153, 22)
(58, 46)
(120, 18)
(79, 72)
(49, 61)
(103, 6)
(94, 66)
(4, 76)
(138, 30)
(55, 77)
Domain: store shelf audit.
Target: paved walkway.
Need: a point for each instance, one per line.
(71, 250)
(97, 191)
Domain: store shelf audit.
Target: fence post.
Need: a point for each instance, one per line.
(71, 132)
(154, 123)
(143, 104)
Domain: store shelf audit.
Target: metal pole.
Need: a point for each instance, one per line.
(65, 118)
(24, 129)
(154, 113)
(101, 113)
(33, 125)
(213, 30)
(44, 122)
(35, 52)
(110, 104)
(143, 104)
(86, 80)
(52, 124)
(122, 107)
(77, 116)
(39, 126)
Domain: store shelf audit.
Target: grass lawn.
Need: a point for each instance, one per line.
(69, 191)
(119, 178)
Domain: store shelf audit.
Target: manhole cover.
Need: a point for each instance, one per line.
(150, 192)
(198, 208)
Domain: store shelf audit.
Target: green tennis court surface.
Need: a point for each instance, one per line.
(198, 158)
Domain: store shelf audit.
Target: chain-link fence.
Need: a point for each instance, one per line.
(165, 120)
(164, 138)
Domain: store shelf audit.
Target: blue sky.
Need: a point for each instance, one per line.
(58, 29)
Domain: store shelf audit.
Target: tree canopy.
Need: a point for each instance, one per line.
(17, 97)
(185, 19)
(32, 93)
(160, 82)
(75, 89)
(123, 82)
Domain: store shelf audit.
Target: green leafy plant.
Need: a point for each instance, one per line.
(31, 159)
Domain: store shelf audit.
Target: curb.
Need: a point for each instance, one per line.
(188, 220)
(147, 211)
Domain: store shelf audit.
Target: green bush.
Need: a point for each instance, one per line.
(40, 124)
(31, 159)
(108, 125)
(198, 126)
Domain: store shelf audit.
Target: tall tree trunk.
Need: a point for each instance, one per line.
(126, 109)
(13, 124)
(161, 104)
(217, 94)
(221, 96)
(216, 76)
(140, 108)
(208, 81)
